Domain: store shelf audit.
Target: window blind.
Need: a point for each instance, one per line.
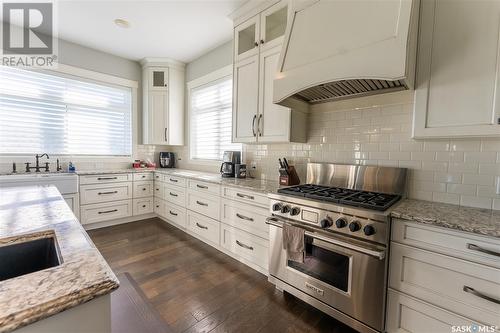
(41, 112)
(211, 120)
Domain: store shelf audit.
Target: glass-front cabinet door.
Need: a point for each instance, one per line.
(246, 39)
(273, 25)
(158, 78)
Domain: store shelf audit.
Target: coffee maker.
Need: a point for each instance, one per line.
(167, 160)
(229, 160)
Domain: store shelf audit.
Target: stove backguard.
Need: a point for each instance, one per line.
(358, 177)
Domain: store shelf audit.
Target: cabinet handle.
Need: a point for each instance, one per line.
(108, 211)
(201, 226)
(261, 41)
(112, 192)
(143, 206)
(106, 178)
(474, 292)
(244, 217)
(244, 246)
(253, 125)
(173, 180)
(201, 186)
(172, 213)
(173, 194)
(245, 196)
(475, 247)
(157, 189)
(166, 135)
(258, 125)
(256, 44)
(144, 189)
(201, 203)
(157, 206)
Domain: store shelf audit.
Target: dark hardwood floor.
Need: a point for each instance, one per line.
(196, 288)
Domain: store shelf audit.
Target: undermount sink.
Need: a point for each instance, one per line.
(28, 257)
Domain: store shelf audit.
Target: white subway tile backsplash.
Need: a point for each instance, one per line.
(450, 198)
(471, 178)
(466, 200)
(465, 145)
(461, 189)
(481, 157)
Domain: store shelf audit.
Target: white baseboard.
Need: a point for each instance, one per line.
(110, 223)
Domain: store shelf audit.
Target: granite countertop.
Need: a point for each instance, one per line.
(257, 185)
(475, 220)
(35, 212)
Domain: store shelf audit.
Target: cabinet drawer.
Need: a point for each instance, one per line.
(105, 211)
(246, 196)
(249, 247)
(445, 282)
(206, 204)
(158, 177)
(143, 189)
(454, 243)
(406, 314)
(143, 176)
(204, 187)
(177, 181)
(159, 189)
(105, 192)
(175, 195)
(142, 206)
(159, 206)
(245, 217)
(204, 227)
(176, 215)
(105, 178)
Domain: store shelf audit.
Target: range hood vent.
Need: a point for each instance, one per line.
(344, 49)
(343, 89)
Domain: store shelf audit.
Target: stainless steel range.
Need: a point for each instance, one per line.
(344, 210)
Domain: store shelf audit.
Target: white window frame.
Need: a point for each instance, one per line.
(206, 79)
(96, 77)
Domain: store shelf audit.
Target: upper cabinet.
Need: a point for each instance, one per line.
(163, 102)
(457, 92)
(257, 45)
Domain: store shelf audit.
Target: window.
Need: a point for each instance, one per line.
(210, 117)
(62, 115)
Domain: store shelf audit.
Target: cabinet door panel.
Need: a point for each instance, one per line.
(158, 112)
(245, 99)
(458, 69)
(272, 25)
(246, 37)
(274, 119)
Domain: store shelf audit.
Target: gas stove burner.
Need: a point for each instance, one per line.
(364, 199)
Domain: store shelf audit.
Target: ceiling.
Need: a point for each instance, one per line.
(181, 30)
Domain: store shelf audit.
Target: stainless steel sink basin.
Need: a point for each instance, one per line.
(28, 257)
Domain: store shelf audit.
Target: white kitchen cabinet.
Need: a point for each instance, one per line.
(458, 71)
(255, 117)
(72, 200)
(163, 102)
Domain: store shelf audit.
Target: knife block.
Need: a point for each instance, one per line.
(289, 177)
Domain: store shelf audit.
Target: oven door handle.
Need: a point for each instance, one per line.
(377, 254)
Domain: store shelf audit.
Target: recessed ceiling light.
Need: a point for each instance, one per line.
(122, 23)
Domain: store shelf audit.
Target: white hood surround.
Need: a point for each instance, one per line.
(337, 49)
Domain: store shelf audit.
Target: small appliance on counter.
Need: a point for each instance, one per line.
(229, 161)
(240, 171)
(167, 160)
(288, 174)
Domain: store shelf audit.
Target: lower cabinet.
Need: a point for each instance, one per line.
(105, 211)
(176, 215)
(205, 227)
(142, 206)
(245, 245)
(73, 201)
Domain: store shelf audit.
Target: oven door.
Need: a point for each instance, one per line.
(345, 274)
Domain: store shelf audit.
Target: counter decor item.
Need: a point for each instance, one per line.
(240, 171)
(288, 174)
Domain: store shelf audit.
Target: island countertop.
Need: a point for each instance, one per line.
(34, 212)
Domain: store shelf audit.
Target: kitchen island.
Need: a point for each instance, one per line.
(38, 299)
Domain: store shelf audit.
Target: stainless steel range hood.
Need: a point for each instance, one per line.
(337, 49)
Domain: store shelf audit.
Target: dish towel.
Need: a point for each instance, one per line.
(293, 242)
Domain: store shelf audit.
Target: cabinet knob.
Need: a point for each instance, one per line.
(256, 44)
(261, 41)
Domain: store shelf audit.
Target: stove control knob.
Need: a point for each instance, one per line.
(369, 230)
(326, 222)
(341, 222)
(354, 226)
(295, 211)
(285, 209)
(277, 207)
